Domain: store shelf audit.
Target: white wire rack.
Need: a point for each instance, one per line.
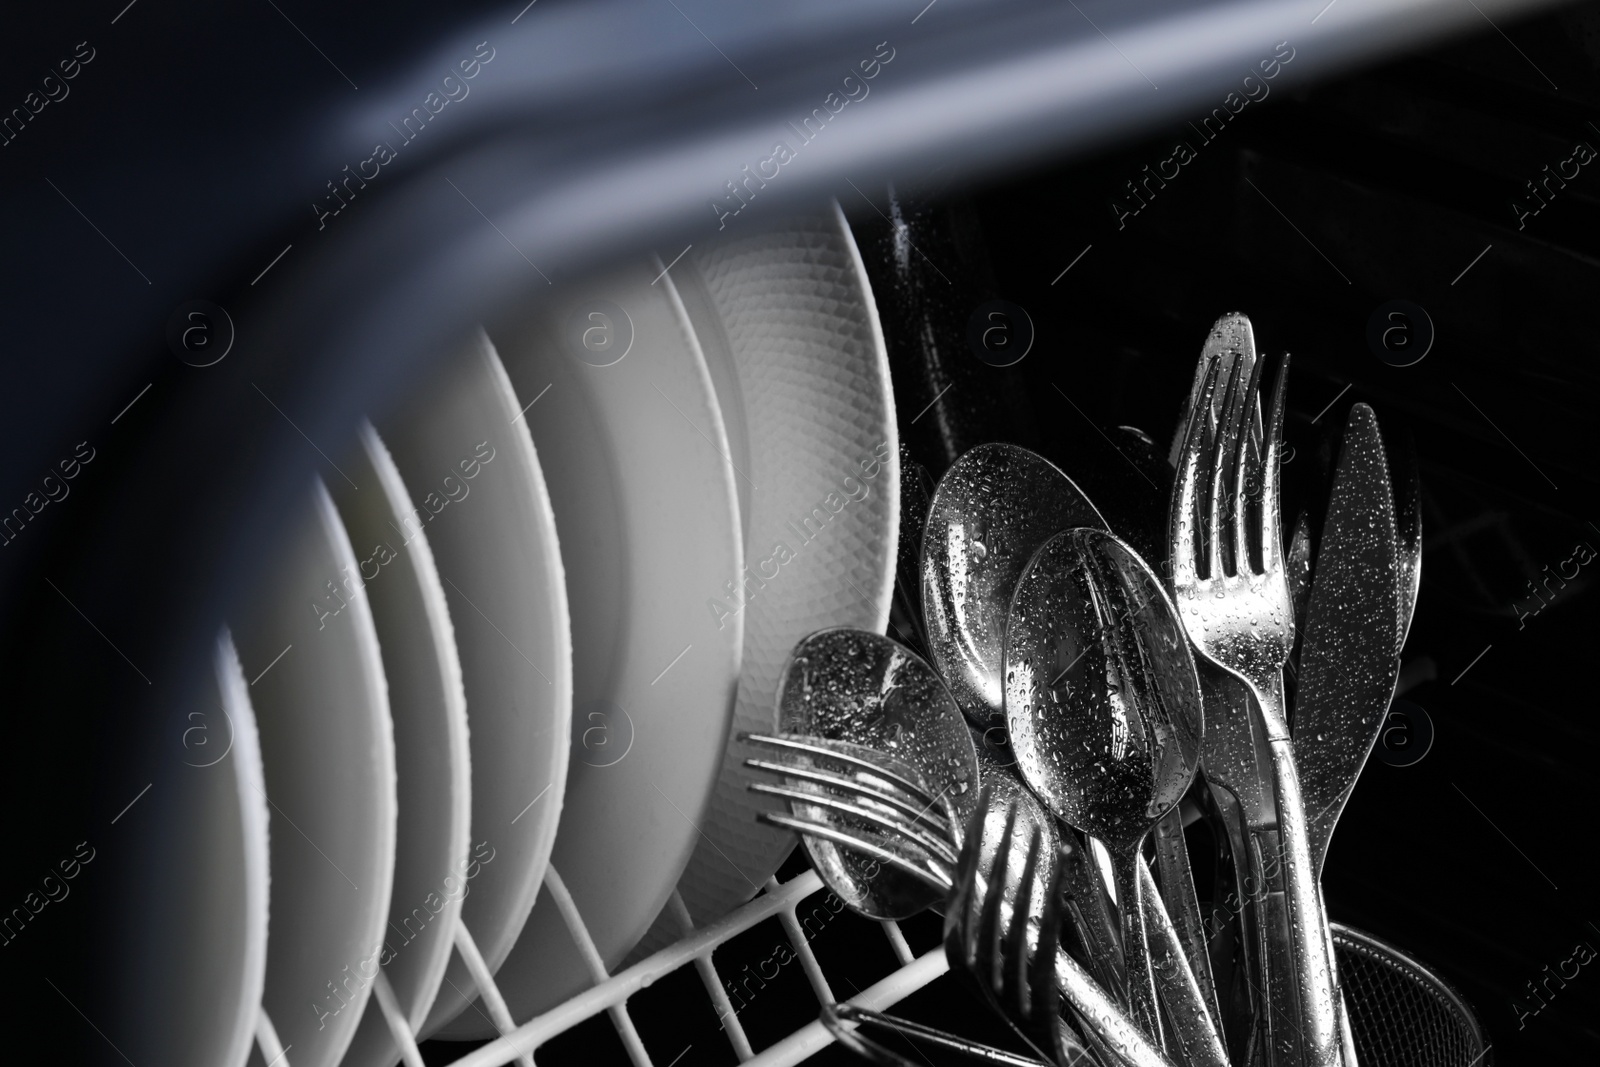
(610, 993)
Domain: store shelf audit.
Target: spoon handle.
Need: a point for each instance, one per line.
(1090, 915)
(1107, 1026)
(1125, 864)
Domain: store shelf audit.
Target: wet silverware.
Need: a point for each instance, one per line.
(863, 803)
(1233, 596)
(1003, 923)
(990, 511)
(1297, 563)
(853, 1026)
(877, 839)
(1231, 338)
(1348, 660)
(1103, 709)
(1091, 926)
(861, 687)
(1017, 956)
(1180, 900)
(1100, 951)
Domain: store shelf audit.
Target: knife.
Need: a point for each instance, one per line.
(1348, 660)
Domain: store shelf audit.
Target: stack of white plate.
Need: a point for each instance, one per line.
(506, 649)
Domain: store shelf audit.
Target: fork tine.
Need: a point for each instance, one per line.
(1182, 535)
(1244, 455)
(965, 899)
(989, 934)
(1018, 948)
(958, 909)
(1271, 519)
(923, 815)
(933, 875)
(1050, 919)
(940, 847)
(798, 743)
(1224, 457)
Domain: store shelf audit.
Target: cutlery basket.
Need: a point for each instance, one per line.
(1402, 1014)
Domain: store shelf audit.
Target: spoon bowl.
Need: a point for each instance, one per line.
(1103, 709)
(1102, 697)
(990, 512)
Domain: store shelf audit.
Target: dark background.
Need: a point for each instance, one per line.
(1381, 185)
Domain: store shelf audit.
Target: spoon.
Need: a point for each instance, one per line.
(990, 511)
(866, 689)
(1103, 707)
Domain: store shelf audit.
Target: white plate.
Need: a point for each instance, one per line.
(429, 709)
(201, 913)
(317, 685)
(477, 490)
(644, 498)
(239, 885)
(790, 331)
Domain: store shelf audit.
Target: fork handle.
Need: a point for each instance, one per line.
(1298, 956)
(1279, 1035)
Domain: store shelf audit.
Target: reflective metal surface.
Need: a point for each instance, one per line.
(1232, 592)
(990, 512)
(1348, 664)
(851, 685)
(1103, 707)
(1016, 959)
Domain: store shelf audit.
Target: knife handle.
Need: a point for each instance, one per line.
(1347, 1037)
(1281, 1036)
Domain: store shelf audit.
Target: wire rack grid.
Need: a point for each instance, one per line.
(610, 993)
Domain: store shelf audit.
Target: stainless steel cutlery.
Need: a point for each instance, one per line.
(1121, 694)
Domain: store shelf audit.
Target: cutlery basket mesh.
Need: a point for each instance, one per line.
(1403, 1015)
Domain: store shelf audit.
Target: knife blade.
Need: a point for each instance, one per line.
(1348, 660)
(1408, 527)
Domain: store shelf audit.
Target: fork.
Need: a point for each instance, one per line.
(1024, 970)
(867, 807)
(880, 833)
(992, 937)
(1232, 593)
